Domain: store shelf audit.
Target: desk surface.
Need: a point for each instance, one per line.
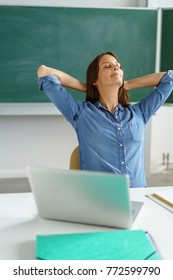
(19, 224)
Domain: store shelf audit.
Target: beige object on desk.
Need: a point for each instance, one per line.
(74, 159)
(164, 198)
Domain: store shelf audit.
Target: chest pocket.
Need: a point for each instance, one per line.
(136, 131)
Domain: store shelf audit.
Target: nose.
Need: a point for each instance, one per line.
(117, 66)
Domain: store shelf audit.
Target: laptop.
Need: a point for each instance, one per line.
(88, 197)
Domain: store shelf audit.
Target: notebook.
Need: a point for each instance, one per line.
(89, 197)
(110, 245)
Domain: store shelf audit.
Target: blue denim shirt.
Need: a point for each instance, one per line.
(109, 142)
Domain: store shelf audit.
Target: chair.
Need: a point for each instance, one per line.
(74, 159)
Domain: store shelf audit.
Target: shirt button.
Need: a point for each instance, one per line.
(121, 145)
(122, 162)
(119, 128)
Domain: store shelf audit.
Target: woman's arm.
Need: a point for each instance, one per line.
(150, 80)
(65, 79)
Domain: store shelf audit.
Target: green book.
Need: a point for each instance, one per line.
(109, 245)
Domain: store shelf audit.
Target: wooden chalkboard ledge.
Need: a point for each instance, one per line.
(28, 109)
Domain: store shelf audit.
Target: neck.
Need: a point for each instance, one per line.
(109, 99)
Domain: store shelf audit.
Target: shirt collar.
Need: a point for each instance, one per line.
(99, 105)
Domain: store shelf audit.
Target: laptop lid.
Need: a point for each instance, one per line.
(81, 196)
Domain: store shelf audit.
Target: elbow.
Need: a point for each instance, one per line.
(41, 72)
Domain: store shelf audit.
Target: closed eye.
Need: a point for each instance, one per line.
(114, 65)
(107, 66)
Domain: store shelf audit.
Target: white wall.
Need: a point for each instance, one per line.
(160, 3)
(45, 141)
(77, 3)
(49, 140)
(161, 137)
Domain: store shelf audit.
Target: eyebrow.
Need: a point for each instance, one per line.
(109, 62)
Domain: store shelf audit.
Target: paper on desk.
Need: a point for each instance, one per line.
(113, 245)
(164, 198)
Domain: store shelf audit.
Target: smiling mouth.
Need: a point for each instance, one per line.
(115, 74)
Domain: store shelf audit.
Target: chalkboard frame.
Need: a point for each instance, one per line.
(167, 43)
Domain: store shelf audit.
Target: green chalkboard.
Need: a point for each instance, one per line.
(167, 43)
(68, 39)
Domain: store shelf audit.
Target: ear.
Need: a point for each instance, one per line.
(94, 84)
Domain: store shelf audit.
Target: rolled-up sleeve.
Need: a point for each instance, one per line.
(60, 97)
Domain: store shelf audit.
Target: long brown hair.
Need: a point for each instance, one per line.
(92, 93)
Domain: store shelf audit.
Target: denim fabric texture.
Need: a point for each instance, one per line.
(109, 142)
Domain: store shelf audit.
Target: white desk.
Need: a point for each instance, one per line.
(19, 224)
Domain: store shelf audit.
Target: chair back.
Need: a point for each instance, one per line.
(74, 159)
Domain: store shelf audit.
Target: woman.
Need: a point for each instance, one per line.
(110, 131)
